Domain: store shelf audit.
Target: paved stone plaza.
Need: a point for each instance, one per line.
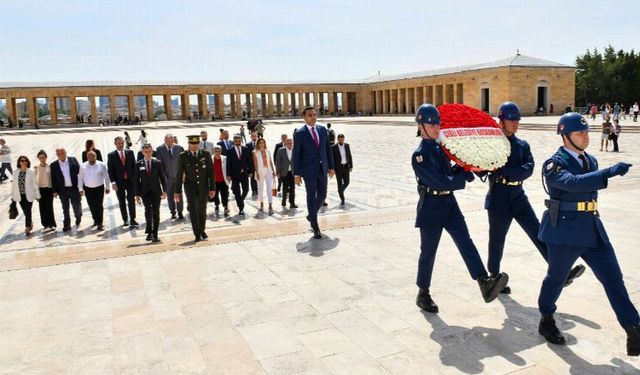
(261, 296)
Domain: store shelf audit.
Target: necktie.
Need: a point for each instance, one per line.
(585, 163)
(315, 136)
(171, 152)
(239, 153)
(148, 167)
(124, 172)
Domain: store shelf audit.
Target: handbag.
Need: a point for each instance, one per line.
(274, 192)
(13, 210)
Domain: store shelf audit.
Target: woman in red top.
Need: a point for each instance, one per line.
(220, 174)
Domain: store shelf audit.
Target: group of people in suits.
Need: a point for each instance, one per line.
(205, 172)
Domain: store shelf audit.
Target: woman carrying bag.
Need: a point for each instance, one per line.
(24, 190)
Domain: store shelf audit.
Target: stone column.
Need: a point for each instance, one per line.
(393, 94)
(73, 109)
(279, 104)
(321, 103)
(270, 104)
(11, 111)
(151, 113)
(93, 110)
(220, 105)
(385, 102)
(186, 107)
(287, 108)
(232, 104)
(33, 112)
(131, 102)
(239, 105)
(168, 106)
(307, 99)
(254, 104)
(300, 101)
(53, 110)
(316, 102)
(332, 104)
(417, 97)
(203, 108)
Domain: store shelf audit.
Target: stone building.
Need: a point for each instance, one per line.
(530, 82)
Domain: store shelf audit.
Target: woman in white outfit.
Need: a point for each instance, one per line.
(265, 173)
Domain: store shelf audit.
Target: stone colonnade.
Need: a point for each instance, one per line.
(405, 100)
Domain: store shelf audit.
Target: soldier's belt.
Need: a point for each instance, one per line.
(588, 206)
(429, 191)
(504, 181)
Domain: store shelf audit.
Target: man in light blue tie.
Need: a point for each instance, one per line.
(312, 160)
(168, 154)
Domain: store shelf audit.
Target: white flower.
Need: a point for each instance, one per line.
(482, 148)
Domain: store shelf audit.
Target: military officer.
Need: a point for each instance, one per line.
(195, 168)
(506, 199)
(572, 229)
(438, 210)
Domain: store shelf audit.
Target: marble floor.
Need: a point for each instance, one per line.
(261, 296)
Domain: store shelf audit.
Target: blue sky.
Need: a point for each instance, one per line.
(80, 40)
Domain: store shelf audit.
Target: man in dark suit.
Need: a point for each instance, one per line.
(168, 154)
(195, 168)
(121, 164)
(151, 186)
(285, 173)
(250, 147)
(312, 161)
(225, 143)
(278, 146)
(64, 182)
(344, 165)
(239, 169)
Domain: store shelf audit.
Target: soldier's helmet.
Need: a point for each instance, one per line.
(572, 122)
(427, 114)
(509, 111)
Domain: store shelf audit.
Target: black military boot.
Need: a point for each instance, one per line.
(490, 287)
(575, 272)
(506, 289)
(633, 341)
(424, 301)
(548, 329)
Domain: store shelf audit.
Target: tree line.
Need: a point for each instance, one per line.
(612, 76)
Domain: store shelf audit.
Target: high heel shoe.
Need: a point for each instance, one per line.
(27, 231)
(270, 209)
(261, 207)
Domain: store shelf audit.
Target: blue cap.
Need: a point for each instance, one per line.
(572, 122)
(509, 111)
(428, 114)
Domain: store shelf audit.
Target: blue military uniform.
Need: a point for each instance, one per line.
(438, 210)
(572, 229)
(506, 200)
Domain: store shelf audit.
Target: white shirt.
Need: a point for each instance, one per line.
(343, 154)
(575, 155)
(64, 167)
(289, 155)
(93, 176)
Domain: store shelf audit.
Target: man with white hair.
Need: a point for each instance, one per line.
(64, 182)
(168, 154)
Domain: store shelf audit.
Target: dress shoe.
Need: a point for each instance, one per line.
(284, 204)
(149, 237)
(548, 329)
(155, 240)
(217, 209)
(316, 234)
(506, 289)
(78, 220)
(94, 225)
(125, 224)
(197, 239)
(576, 272)
(173, 216)
(271, 209)
(180, 216)
(633, 341)
(293, 206)
(133, 223)
(204, 236)
(66, 229)
(226, 212)
(490, 287)
(241, 213)
(99, 227)
(424, 301)
(325, 204)
(27, 231)
(342, 202)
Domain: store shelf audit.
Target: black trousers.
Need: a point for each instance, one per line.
(95, 198)
(173, 206)
(151, 203)
(241, 194)
(254, 184)
(342, 176)
(614, 139)
(222, 194)
(47, 218)
(70, 195)
(26, 206)
(288, 189)
(197, 199)
(127, 197)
